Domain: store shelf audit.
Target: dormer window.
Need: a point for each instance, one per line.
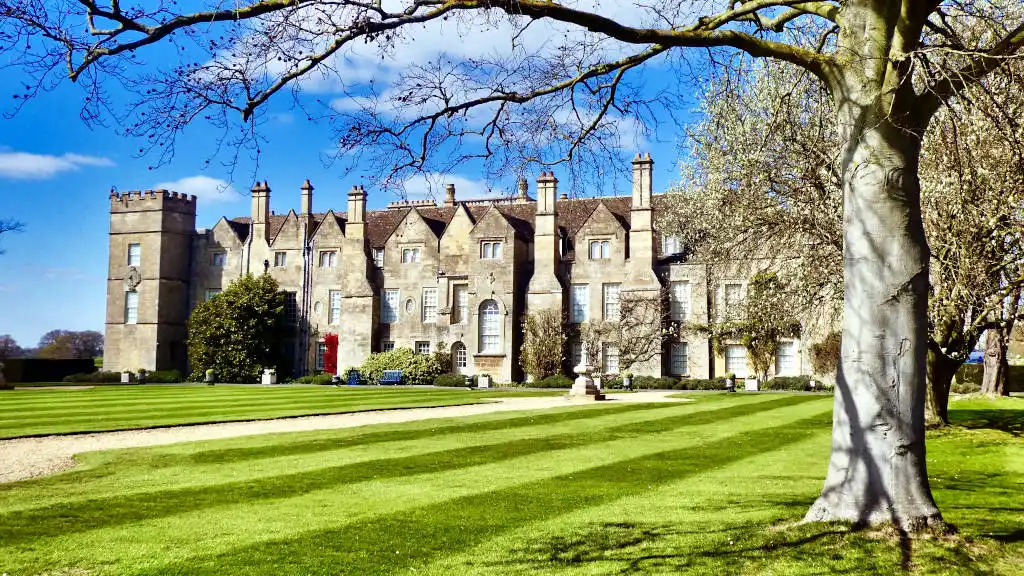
(410, 255)
(490, 250)
(600, 249)
(328, 259)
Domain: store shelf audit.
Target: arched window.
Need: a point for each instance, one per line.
(460, 359)
(490, 328)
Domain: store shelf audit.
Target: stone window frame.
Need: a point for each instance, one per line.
(131, 307)
(604, 248)
(611, 314)
(574, 304)
(739, 372)
(460, 310)
(414, 251)
(489, 327)
(333, 307)
(460, 356)
(422, 347)
(392, 307)
(387, 345)
(492, 249)
(671, 245)
(209, 293)
(331, 257)
(680, 301)
(219, 258)
(280, 259)
(135, 256)
(428, 311)
(321, 352)
(378, 257)
(795, 369)
(679, 351)
(606, 355)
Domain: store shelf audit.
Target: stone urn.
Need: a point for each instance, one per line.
(583, 386)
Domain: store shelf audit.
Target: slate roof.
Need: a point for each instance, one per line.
(381, 224)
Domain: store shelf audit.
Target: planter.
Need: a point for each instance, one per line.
(627, 382)
(751, 385)
(269, 376)
(141, 377)
(209, 377)
(483, 381)
(126, 377)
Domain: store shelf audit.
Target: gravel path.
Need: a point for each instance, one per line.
(23, 458)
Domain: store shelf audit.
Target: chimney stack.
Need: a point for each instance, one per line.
(355, 227)
(449, 195)
(306, 206)
(261, 210)
(643, 169)
(524, 191)
(547, 191)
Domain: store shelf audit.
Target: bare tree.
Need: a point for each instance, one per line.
(638, 332)
(543, 343)
(9, 225)
(888, 66)
(9, 347)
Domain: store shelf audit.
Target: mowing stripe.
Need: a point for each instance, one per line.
(27, 525)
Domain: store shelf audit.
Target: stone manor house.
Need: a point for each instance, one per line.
(460, 275)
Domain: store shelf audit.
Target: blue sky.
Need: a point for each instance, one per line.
(56, 174)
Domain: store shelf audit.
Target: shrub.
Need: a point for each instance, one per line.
(320, 379)
(825, 354)
(701, 384)
(653, 383)
(450, 380)
(540, 354)
(553, 381)
(791, 383)
(961, 386)
(417, 369)
(164, 377)
(94, 378)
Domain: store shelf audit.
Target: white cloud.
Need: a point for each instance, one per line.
(27, 166)
(432, 185)
(207, 190)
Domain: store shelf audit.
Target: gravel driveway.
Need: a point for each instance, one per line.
(23, 458)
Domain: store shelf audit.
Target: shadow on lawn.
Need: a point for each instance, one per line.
(62, 519)
(1011, 421)
(411, 538)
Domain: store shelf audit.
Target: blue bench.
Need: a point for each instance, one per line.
(391, 377)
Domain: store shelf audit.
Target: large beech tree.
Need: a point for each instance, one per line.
(574, 88)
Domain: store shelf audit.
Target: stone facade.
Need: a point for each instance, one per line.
(459, 276)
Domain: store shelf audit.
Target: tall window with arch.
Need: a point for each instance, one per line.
(460, 359)
(490, 328)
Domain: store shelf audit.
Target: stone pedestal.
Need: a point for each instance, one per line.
(583, 386)
(269, 376)
(751, 385)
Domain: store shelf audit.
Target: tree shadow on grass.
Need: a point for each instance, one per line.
(1011, 421)
(414, 537)
(67, 518)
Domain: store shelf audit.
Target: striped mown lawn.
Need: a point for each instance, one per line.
(38, 412)
(708, 487)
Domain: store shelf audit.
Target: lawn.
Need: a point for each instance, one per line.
(707, 487)
(38, 412)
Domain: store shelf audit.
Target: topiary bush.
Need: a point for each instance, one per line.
(417, 369)
(554, 381)
(450, 380)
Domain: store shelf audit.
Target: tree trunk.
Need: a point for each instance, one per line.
(877, 471)
(996, 379)
(940, 372)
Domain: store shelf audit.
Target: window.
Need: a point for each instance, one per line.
(387, 345)
(670, 246)
(459, 355)
(334, 313)
(423, 348)
(600, 249)
(410, 255)
(610, 354)
(210, 293)
(321, 351)
(580, 302)
(785, 359)
(291, 308)
(736, 360)
(429, 303)
(218, 258)
(389, 306)
(378, 257)
(131, 307)
(731, 297)
(134, 254)
(280, 259)
(576, 354)
(680, 355)
(490, 329)
(611, 302)
(460, 311)
(680, 301)
(490, 250)
(328, 258)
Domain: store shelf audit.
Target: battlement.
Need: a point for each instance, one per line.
(411, 204)
(136, 201)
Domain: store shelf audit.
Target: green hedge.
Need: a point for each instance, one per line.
(701, 384)
(452, 380)
(94, 378)
(555, 381)
(321, 379)
(790, 383)
(969, 377)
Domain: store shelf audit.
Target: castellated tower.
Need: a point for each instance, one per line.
(148, 280)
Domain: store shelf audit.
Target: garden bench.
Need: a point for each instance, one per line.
(391, 377)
